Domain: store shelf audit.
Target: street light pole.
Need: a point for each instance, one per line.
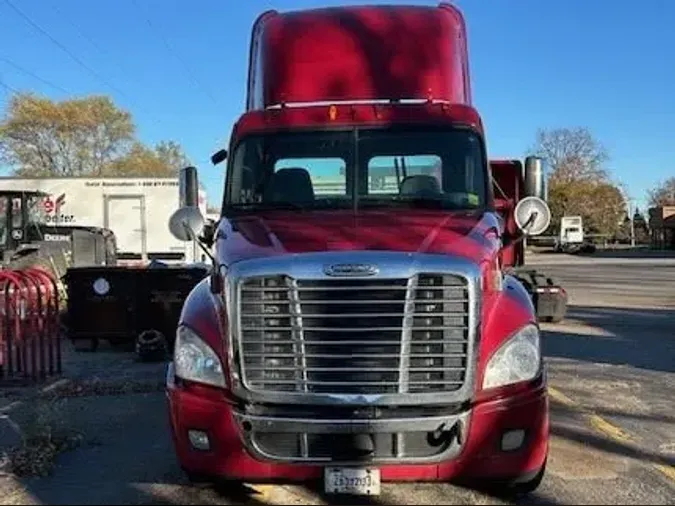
(632, 225)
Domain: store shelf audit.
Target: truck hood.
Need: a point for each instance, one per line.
(472, 235)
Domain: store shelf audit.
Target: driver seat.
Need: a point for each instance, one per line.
(292, 184)
(420, 186)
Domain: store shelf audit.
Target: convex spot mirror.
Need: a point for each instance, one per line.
(532, 216)
(187, 224)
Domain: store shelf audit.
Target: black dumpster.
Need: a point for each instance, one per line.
(119, 303)
(102, 304)
(161, 298)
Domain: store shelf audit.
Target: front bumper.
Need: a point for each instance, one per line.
(256, 444)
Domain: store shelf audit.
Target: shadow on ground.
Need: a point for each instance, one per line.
(127, 458)
(629, 253)
(643, 338)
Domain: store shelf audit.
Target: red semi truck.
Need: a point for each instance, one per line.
(358, 325)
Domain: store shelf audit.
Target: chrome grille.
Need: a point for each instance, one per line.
(354, 336)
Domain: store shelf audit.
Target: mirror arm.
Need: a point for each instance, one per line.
(189, 232)
(215, 280)
(521, 235)
(511, 240)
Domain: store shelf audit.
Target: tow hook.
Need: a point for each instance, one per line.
(444, 436)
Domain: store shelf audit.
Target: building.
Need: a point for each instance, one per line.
(662, 227)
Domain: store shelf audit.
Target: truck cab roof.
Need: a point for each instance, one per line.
(358, 53)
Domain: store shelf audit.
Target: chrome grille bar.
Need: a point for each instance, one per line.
(297, 335)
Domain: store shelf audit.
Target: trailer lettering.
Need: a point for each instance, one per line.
(56, 238)
(60, 218)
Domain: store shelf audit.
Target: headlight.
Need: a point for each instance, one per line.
(195, 360)
(518, 359)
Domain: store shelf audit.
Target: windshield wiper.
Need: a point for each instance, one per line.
(267, 205)
(412, 201)
(304, 206)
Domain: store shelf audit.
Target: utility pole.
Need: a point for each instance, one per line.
(632, 225)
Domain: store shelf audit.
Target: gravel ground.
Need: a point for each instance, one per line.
(612, 369)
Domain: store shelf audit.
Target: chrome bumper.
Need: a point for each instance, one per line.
(392, 437)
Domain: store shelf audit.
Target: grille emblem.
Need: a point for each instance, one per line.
(346, 270)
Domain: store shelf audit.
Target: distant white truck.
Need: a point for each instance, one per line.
(571, 236)
(136, 209)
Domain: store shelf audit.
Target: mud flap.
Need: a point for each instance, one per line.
(548, 295)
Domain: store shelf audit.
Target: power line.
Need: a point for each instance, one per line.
(7, 87)
(96, 46)
(33, 75)
(63, 48)
(169, 48)
(82, 34)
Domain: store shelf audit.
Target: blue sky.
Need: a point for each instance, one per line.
(606, 65)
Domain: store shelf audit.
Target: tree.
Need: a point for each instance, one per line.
(578, 183)
(87, 136)
(572, 153)
(606, 208)
(39, 137)
(663, 194)
(165, 160)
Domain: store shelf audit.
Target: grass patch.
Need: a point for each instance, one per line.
(45, 434)
(96, 387)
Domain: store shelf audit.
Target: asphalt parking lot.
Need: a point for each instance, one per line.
(612, 374)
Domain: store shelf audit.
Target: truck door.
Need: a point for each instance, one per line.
(125, 216)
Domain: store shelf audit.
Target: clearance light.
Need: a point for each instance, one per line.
(332, 112)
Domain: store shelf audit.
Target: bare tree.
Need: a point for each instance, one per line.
(578, 182)
(663, 194)
(572, 153)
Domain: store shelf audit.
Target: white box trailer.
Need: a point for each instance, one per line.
(136, 209)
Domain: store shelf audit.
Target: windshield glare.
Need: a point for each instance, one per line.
(380, 168)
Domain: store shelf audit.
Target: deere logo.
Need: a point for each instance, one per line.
(347, 270)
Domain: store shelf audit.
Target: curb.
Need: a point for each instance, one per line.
(46, 389)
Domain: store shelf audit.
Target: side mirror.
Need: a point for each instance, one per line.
(187, 224)
(219, 156)
(535, 178)
(532, 216)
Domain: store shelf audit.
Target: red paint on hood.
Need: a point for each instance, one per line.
(470, 235)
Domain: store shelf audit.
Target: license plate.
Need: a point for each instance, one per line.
(350, 480)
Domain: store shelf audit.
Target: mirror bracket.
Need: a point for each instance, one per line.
(215, 281)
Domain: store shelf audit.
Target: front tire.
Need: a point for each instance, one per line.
(197, 478)
(529, 486)
(519, 488)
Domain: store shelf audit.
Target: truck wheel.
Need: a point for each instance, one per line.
(529, 486)
(196, 477)
(554, 319)
(519, 488)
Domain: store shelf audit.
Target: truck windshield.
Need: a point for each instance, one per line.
(435, 168)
